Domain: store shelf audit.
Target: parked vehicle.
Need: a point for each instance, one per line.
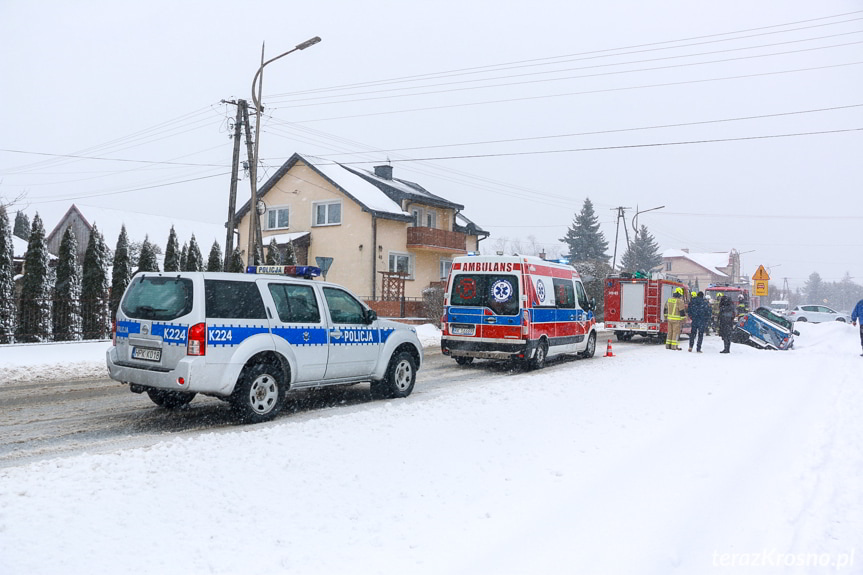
(764, 329)
(519, 308)
(251, 338)
(816, 313)
(634, 305)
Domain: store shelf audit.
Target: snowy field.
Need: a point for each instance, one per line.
(649, 462)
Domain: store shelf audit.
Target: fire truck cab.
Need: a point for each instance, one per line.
(634, 304)
(515, 307)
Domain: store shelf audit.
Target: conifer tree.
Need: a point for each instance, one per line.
(184, 257)
(67, 291)
(288, 257)
(274, 256)
(148, 261)
(94, 288)
(172, 253)
(34, 311)
(194, 259)
(121, 273)
(642, 254)
(236, 265)
(214, 262)
(583, 238)
(22, 226)
(7, 280)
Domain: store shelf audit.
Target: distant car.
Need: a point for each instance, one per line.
(816, 314)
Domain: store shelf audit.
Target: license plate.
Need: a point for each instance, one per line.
(147, 353)
(462, 329)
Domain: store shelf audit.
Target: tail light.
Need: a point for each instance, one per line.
(197, 340)
(443, 324)
(525, 322)
(114, 332)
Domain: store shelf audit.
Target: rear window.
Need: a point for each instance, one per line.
(233, 300)
(158, 298)
(498, 292)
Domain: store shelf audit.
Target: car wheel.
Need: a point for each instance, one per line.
(260, 393)
(399, 378)
(842, 319)
(591, 347)
(170, 399)
(464, 360)
(803, 319)
(538, 359)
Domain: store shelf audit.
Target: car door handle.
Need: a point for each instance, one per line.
(336, 334)
(491, 320)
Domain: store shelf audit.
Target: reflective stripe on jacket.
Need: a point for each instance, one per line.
(674, 308)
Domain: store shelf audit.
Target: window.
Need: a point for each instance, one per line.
(295, 303)
(564, 293)
(344, 308)
(158, 298)
(431, 219)
(233, 300)
(496, 292)
(277, 218)
(445, 267)
(403, 264)
(668, 266)
(583, 302)
(423, 217)
(327, 213)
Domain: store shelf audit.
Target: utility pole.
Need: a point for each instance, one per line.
(235, 168)
(621, 215)
(253, 255)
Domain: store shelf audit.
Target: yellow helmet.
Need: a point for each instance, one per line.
(693, 293)
(678, 290)
(720, 294)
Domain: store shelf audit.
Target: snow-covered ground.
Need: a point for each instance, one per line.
(651, 461)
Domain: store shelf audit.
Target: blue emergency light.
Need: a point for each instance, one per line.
(307, 272)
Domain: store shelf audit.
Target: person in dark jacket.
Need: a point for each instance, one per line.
(726, 322)
(857, 315)
(699, 312)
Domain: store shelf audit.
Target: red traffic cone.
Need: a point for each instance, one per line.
(608, 350)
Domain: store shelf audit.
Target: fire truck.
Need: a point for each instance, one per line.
(634, 305)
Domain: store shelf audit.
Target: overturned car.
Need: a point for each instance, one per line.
(764, 329)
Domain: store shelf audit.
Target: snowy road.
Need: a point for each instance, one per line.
(651, 462)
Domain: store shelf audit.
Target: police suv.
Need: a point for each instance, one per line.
(251, 338)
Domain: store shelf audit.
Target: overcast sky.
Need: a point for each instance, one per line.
(517, 110)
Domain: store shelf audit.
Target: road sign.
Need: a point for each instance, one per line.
(324, 263)
(760, 287)
(761, 274)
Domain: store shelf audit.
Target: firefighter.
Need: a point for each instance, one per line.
(674, 313)
(714, 311)
(741, 304)
(699, 312)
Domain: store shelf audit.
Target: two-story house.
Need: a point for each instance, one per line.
(368, 222)
(703, 269)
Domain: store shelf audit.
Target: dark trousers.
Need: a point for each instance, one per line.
(861, 332)
(697, 330)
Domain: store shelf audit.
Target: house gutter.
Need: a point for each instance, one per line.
(374, 254)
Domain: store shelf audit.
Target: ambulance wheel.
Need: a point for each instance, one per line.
(538, 359)
(464, 360)
(259, 394)
(170, 399)
(591, 347)
(399, 379)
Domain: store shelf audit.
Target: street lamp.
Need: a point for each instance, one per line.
(635, 217)
(254, 254)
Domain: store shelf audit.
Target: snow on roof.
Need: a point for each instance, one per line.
(363, 191)
(285, 238)
(157, 228)
(19, 247)
(406, 187)
(711, 261)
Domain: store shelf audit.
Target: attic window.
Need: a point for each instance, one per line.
(327, 213)
(278, 218)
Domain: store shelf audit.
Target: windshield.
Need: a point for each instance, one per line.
(158, 298)
(498, 292)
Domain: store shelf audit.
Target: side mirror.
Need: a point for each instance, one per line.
(593, 304)
(796, 332)
(370, 315)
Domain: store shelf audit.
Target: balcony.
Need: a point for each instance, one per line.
(435, 240)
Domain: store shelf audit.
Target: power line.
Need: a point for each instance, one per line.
(79, 157)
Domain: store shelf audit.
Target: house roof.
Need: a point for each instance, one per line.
(19, 248)
(400, 190)
(371, 198)
(711, 261)
(139, 225)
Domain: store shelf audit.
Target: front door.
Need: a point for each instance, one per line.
(354, 345)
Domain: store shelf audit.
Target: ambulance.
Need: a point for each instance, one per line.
(516, 307)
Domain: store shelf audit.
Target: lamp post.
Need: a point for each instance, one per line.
(254, 254)
(635, 217)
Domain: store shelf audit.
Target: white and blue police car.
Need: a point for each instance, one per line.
(252, 338)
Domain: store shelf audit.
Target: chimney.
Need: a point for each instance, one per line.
(684, 250)
(385, 172)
